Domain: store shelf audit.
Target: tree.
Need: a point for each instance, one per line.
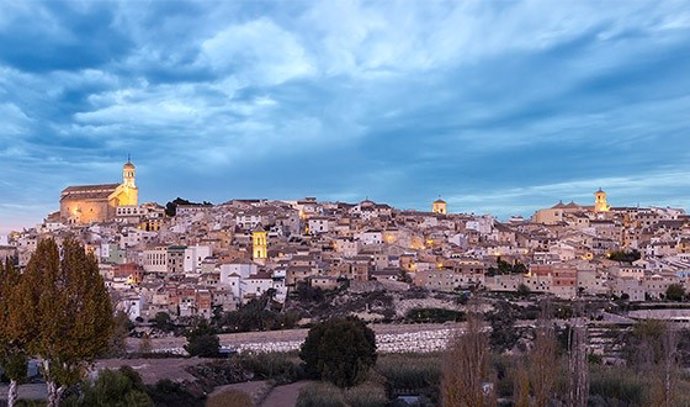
(466, 367)
(503, 333)
(675, 292)
(523, 290)
(145, 344)
(578, 367)
(340, 351)
(118, 340)
(13, 335)
(163, 321)
(202, 341)
(542, 362)
(67, 307)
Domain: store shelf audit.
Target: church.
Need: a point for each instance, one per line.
(84, 204)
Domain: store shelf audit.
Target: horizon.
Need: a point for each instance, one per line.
(499, 108)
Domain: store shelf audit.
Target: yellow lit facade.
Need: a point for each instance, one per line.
(259, 244)
(83, 204)
(128, 193)
(439, 207)
(600, 204)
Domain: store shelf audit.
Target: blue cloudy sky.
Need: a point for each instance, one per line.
(499, 106)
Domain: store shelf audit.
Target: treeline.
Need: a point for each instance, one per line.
(58, 311)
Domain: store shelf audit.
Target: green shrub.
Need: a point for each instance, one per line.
(113, 388)
(167, 393)
(230, 398)
(410, 371)
(366, 395)
(278, 366)
(434, 315)
(340, 351)
(321, 395)
(621, 385)
(202, 341)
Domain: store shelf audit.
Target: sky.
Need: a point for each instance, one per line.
(499, 107)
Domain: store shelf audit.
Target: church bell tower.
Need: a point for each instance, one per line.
(600, 202)
(131, 192)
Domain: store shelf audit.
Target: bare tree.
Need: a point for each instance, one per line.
(578, 368)
(466, 368)
(521, 383)
(543, 361)
(663, 391)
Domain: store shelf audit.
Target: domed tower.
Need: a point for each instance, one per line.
(600, 204)
(130, 196)
(439, 207)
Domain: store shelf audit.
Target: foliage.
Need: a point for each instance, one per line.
(466, 367)
(304, 292)
(163, 321)
(434, 315)
(340, 351)
(625, 257)
(503, 267)
(256, 315)
(118, 340)
(366, 395)
(67, 308)
(675, 292)
(231, 398)
(13, 335)
(167, 393)
(503, 333)
(171, 207)
(113, 388)
(321, 395)
(202, 341)
(277, 366)
(410, 371)
(145, 346)
(617, 385)
(523, 290)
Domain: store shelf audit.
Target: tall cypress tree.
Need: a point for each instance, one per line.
(68, 308)
(13, 337)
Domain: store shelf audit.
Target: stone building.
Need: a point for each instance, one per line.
(84, 204)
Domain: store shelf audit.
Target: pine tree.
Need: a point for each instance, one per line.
(68, 308)
(13, 337)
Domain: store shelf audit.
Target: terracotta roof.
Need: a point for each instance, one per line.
(90, 188)
(83, 192)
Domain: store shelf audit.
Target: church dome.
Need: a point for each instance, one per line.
(128, 166)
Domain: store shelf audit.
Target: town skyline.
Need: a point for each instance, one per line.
(324, 99)
(6, 228)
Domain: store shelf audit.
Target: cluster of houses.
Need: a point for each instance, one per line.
(218, 257)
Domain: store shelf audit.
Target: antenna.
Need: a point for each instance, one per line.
(129, 158)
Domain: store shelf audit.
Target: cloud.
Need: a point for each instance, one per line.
(258, 52)
(498, 107)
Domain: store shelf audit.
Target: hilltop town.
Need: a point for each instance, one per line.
(198, 259)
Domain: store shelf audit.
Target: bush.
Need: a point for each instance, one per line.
(230, 398)
(202, 341)
(340, 351)
(366, 395)
(434, 315)
(410, 371)
(616, 386)
(167, 393)
(280, 367)
(113, 388)
(321, 395)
